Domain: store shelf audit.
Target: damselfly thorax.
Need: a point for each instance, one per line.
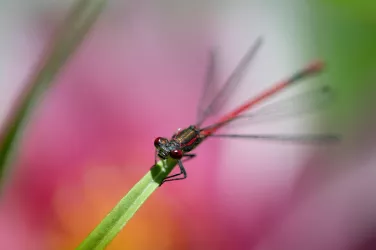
(183, 141)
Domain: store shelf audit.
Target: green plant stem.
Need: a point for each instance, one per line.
(81, 18)
(115, 221)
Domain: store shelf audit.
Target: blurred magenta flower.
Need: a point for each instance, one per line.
(139, 76)
(92, 138)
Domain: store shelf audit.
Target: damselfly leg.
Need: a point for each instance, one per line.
(182, 169)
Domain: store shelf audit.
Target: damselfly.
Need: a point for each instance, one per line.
(185, 140)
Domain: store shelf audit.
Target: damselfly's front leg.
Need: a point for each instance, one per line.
(182, 170)
(188, 157)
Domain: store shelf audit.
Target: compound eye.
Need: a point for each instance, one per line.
(159, 141)
(176, 154)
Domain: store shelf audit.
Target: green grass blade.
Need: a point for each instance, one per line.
(115, 221)
(80, 19)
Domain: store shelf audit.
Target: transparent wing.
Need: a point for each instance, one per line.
(301, 104)
(305, 138)
(229, 86)
(209, 80)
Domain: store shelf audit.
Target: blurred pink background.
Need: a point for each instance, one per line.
(138, 75)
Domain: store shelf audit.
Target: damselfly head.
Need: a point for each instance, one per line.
(160, 141)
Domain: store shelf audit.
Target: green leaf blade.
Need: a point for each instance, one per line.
(78, 23)
(119, 216)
